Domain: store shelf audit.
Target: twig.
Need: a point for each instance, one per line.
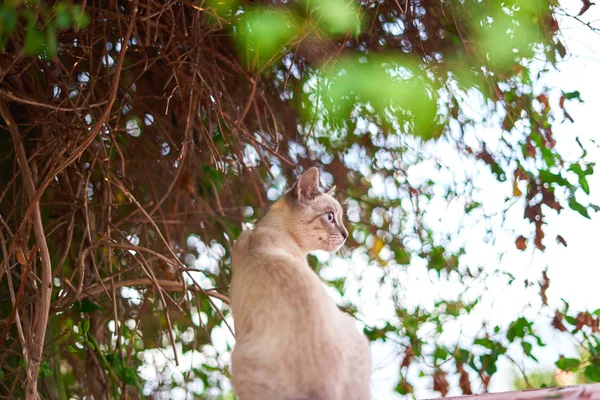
(9, 96)
(166, 285)
(248, 103)
(14, 298)
(19, 295)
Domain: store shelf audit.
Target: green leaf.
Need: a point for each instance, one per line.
(404, 387)
(568, 364)
(223, 8)
(125, 373)
(440, 353)
(571, 320)
(51, 44)
(539, 340)
(485, 342)
(81, 18)
(592, 372)
(498, 171)
(86, 326)
(527, 348)
(576, 168)
(262, 35)
(131, 377)
(34, 38)
(336, 16)
(573, 95)
(71, 349)
(86, 306)
(393, 87)
(471, 206)
(574, 205)
(402, 256)
(549, 177)
(8, 19)
(338, 284)
(581, 175)
(585, 186)
(518, 329)
(505, 37)
(463, 356)
(437, 261)
(45, 370)
(488, 362)
(375, 333)
(63, 16)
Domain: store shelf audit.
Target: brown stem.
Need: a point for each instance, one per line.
(42, 308)
(19, 296)
(166, 285)
(9, 96)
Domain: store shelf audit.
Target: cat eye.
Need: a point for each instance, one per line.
(330, 216)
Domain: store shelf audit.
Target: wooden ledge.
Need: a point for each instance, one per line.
(588, 392)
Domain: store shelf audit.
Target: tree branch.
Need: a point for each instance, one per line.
(166, 285)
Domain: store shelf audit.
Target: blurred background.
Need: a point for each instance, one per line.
(142, 137)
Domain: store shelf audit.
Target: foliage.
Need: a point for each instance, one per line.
(537, 379)
(148, 134)
(567, 372)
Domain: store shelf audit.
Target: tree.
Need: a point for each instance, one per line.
(145, 135)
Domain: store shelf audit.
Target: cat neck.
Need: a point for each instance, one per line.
(280, 222)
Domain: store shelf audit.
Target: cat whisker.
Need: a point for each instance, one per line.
(325, 242)
(344, 251)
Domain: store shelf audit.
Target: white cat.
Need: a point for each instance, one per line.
(292, 342)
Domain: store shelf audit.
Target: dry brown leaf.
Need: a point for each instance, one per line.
(440, 383)
(464, 381)
(521, 243)
(544, 284)
(586, 5)
(557, 322)
(21, 256)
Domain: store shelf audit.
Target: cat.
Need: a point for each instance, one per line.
(292, 342)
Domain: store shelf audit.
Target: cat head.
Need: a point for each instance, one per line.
(317, 217)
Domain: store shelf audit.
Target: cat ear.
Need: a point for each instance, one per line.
(331, 191)
(307, 187)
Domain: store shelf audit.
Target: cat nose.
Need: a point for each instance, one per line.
(345, 233)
